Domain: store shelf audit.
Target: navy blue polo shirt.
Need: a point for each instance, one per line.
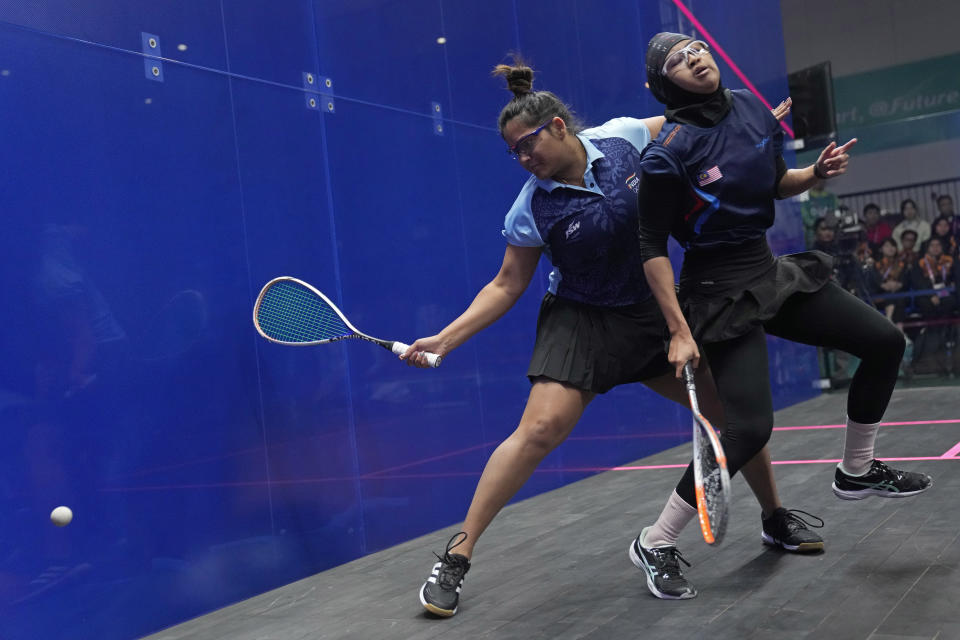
(589, 233)
(727, 173)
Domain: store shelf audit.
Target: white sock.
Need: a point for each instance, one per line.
(858, 447)
(675, 516)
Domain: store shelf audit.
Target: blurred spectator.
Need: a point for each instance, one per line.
(851, 257)
(821, 205)
(934, 344)
(945, 208)
(945, 205)
(855, 267)
(840, 242)
(825, 237)
(889, 276)
(875, 229)
(941, 231)
(912, 221)
(908, 248)
(863, 253)
(934, 271)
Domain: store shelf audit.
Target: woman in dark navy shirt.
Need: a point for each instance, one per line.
(710, 180)
(599, 325)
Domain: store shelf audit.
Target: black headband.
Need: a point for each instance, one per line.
(657, 51)
(682, 106)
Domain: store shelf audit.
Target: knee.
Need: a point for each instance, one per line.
(898, 343)
(757, 439)
(890, 344)
(542, 434)
(744, 441)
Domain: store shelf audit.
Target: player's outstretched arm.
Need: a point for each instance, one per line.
(832, 162)
(494, 300)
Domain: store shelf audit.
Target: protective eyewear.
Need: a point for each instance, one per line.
(675, 59)
(525, 145)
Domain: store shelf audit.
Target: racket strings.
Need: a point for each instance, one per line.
(291, 313)
(712, 483)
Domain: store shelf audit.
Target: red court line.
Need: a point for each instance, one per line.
(723, 54)
(379, 474)
(449, 454)
(455, 474)
(952, 452)
(882, 424)
(836, 460)
(828, 461)
(633, 436)
(647, 467)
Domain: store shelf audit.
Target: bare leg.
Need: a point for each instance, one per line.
(757, 472)
(552, 411)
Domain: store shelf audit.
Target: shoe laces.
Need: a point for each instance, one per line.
(669, 557)
(885, 472)
(792, 521)
(452, 567)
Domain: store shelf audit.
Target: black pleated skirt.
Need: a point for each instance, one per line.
(597, 348)
(727, 292)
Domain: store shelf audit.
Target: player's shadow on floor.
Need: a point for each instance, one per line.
(755, 574)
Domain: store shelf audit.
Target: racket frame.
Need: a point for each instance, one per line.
(393, 346)
(705, 436)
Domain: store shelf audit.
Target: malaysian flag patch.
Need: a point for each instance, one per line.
(710, 175)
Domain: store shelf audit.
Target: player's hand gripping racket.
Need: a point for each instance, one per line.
(710, 476)
(290, 311)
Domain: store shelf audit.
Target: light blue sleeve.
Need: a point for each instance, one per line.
(633, 130)
(519, 227)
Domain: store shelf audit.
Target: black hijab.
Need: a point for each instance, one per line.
(682, 106)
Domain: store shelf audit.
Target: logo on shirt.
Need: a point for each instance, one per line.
(710, 175)
(573, 229)
(763, 143)
(633, 183)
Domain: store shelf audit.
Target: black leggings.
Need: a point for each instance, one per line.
(830, 317)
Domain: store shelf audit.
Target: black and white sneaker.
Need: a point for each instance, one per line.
(662, 566)
(784, 528)
(440, 594)
(880, 481)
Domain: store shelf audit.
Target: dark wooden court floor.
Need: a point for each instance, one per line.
(556, 566)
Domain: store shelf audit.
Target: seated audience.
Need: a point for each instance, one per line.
(889, 276)
(913, 221)
(820, 205)
(941, 230)
(875, 229)
(935, 271)
(945, 208)
(934, 342)
(852, 256)
(908, 248)
(825, 237)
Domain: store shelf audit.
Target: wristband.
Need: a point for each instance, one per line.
(816, 172)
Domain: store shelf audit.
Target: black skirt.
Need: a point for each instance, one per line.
(727, 292)
(597, 348)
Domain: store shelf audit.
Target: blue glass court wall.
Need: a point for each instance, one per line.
(161, 161)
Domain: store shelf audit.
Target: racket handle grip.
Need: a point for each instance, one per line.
(432, 359)
(688, 374)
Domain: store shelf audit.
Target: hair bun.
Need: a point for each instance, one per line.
(519, 77)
